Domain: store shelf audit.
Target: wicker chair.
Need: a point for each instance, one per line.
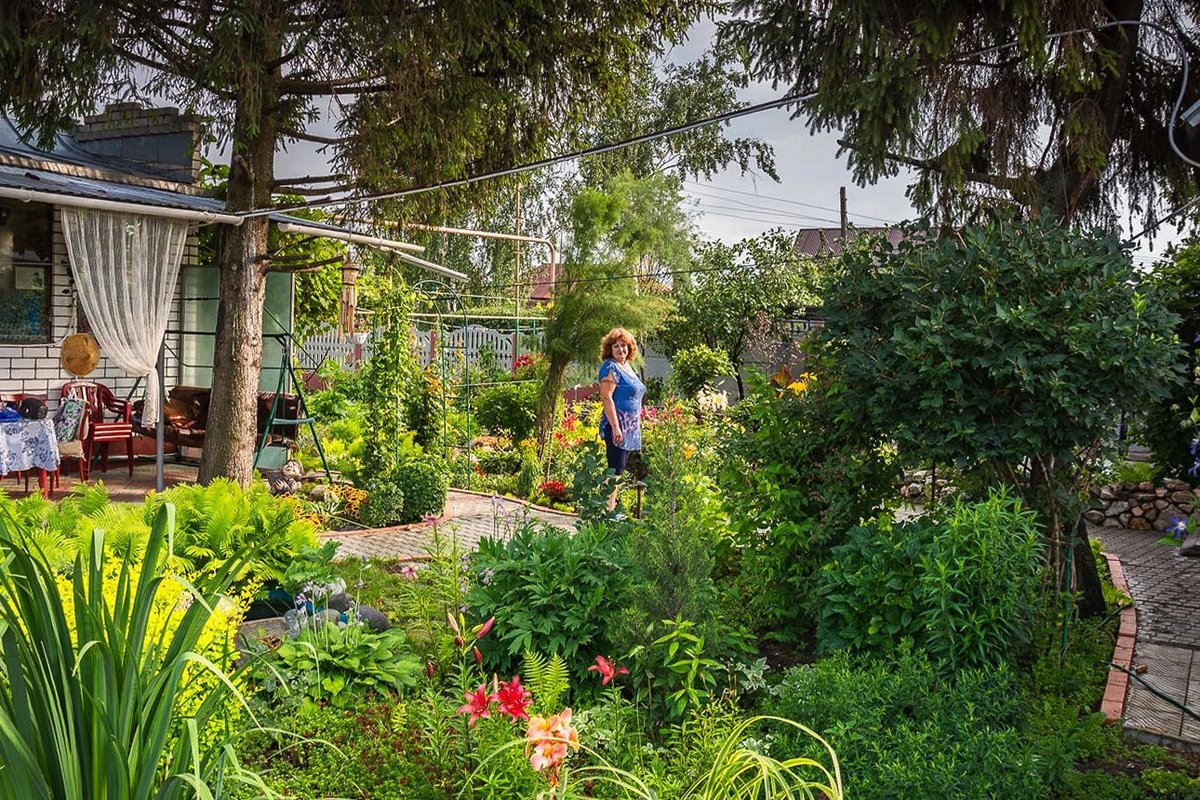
(101, 432)
(72, 447)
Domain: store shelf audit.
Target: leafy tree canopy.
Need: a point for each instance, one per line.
(1007, 344)
(422, 92)
(976, 94)
(677, 95)
(739, 295)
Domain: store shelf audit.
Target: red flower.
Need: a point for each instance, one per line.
(607, 670)
(514, 699)
(478, 704)
(478, 656)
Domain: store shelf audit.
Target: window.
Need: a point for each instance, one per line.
(24, 272)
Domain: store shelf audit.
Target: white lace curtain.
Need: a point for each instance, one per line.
(126, 267)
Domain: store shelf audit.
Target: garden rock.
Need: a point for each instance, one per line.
(375, 619)
(1190, 546)
(261, 630)
(341, 602)
(1122, 505)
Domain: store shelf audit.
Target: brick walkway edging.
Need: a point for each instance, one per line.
(1113, 704)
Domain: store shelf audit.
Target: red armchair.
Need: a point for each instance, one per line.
(102, 432)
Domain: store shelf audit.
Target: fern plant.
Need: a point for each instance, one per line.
(218, 521)
(547, 679)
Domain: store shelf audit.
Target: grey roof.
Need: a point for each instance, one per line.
(39, 180)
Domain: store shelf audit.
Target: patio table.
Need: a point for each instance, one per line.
(29, 444)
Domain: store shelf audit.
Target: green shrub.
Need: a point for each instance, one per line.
(869, 587)
(384, 506)
(415, 489)
(530, 474)
(551, 592)
(979, 582)
(902, 729)
(1167, 425)
(500, 462)
(698, 367)
(796, 477)
(424, 482)
(964, 590)
(508, 409)
(366, 750)
(670, 550)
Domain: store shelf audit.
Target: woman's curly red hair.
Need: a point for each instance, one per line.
(614, 336)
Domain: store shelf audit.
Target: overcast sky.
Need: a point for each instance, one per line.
(733, 206)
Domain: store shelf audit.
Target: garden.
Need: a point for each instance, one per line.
(775, 620)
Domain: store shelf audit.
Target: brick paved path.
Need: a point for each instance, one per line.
(471, 517)
(1164, 587)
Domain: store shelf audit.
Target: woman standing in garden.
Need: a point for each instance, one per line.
(621, 391)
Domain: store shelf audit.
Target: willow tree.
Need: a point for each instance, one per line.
(422, 92)
(986, 100)
(625, 239)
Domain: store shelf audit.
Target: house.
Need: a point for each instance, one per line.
(126, 155)
(143, 163)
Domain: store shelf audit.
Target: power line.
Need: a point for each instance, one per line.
(599, 149)
(783, 200)
(765, 209)
(771, 221)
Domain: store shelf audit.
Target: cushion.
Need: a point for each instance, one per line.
(66, 421)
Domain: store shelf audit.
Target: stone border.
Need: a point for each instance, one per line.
(1113, 704)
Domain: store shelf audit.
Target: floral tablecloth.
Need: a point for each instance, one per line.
(28, 444)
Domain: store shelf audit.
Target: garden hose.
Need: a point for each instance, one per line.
(1067, 595)
(1154, 690)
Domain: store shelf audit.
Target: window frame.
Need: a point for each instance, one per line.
(46, 334)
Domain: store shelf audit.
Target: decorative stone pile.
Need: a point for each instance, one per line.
(1143, 506)
(916, 483)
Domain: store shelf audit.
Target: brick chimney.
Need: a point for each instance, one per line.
(161, 140)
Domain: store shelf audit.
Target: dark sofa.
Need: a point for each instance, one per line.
(186, 414)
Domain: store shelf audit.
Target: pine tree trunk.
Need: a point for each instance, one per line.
(230, 437)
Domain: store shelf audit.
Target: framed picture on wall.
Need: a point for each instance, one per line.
(29, 278)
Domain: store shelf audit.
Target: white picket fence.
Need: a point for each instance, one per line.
(458, 345)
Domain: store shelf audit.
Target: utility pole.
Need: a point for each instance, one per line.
(517, 283)
(845, 220)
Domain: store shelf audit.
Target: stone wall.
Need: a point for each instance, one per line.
(1142, 506)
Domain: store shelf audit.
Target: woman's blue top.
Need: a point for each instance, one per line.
(628, 399)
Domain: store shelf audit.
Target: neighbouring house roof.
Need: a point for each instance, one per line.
(828, 241)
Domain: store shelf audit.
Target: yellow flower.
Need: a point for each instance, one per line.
(689, 451)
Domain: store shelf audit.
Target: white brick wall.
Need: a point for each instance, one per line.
(35, 369)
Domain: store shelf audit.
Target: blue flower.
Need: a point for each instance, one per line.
(1178, 527)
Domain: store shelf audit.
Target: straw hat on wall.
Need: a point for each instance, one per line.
(80, 354)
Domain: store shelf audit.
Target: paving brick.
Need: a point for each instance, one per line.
(471, 518)
(1162, 584)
